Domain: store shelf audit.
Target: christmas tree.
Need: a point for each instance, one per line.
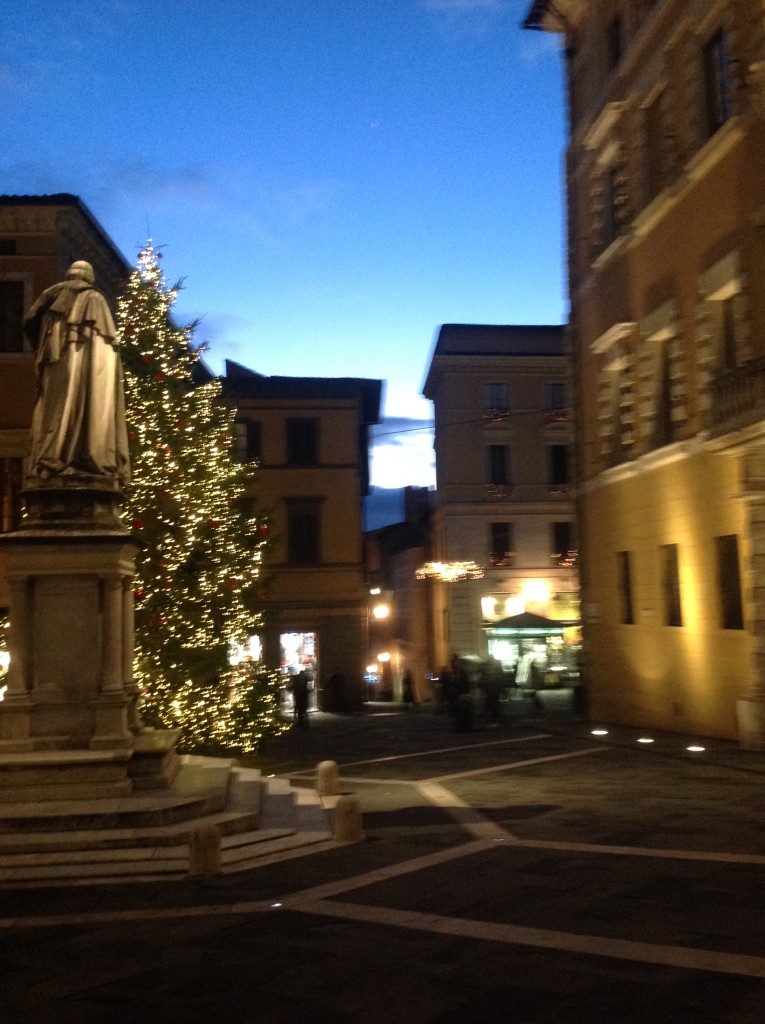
(197, 574)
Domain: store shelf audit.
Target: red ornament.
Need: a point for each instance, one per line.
(129, 329)
(214, 523)
(147, 359)
(131, 435)
(181, 424)
(159, 377)
(138, 595)
(264, 528)
(138, 524)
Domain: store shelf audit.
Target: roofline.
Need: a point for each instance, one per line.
(250, 384)
(507, 328)
(73, 201)
(540, 17)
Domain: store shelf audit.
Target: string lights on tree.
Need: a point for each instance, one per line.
(197, 573)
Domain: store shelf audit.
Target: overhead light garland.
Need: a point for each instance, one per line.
(449, 572)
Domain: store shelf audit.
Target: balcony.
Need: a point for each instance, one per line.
(558, 416)
(738, 398)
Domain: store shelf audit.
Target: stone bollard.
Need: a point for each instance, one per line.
(348, 820)
(326, 778)
(205, 851)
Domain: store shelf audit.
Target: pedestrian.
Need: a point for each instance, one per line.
(445, 687)
(300, 698)
(335, 692)
(462, 703)
(407, 690)
(493, 684)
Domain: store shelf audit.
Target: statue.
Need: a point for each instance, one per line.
(78, 425)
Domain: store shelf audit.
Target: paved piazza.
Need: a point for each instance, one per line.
(536, 874)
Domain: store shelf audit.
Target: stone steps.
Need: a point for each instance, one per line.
(262, 817)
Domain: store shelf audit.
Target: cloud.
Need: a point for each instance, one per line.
(399, 430)
(461, 18)
(402, 452)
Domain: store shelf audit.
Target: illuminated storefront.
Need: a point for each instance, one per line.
(534, 650)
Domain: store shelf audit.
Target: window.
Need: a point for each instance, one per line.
(496, 396)
(729, 583)
(625, 587)
(673, 614)
(11, 316)
(302, 442)
(665, 430)
(716, 71)
(562, 544)
(501, 543)
(655, 148)
(558, 465)
(728, 346)
(498, 467)
(247, 440)
(615, 41)
(557, 395)
(10, 494)
(303, 531)
(613, 199)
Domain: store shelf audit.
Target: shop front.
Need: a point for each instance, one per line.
(299, 652)
(535, 652)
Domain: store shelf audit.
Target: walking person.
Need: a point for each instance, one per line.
(300, 698)
(407, 690)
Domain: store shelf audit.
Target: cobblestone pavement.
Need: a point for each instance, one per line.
(535, 874)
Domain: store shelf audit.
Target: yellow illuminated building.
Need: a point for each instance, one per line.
(666, 200)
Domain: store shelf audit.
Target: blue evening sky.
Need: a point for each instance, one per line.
(333, 180)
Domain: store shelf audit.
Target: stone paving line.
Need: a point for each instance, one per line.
(321, 899)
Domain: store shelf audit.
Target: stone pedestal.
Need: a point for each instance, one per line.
(70, 568)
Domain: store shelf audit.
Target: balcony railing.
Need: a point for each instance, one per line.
(738, 397)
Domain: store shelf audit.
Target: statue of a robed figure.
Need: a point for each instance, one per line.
(71, 563)
(78, 425)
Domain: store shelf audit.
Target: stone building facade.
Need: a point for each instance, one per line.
(666, 250)
(309, 437)
(504, 472)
